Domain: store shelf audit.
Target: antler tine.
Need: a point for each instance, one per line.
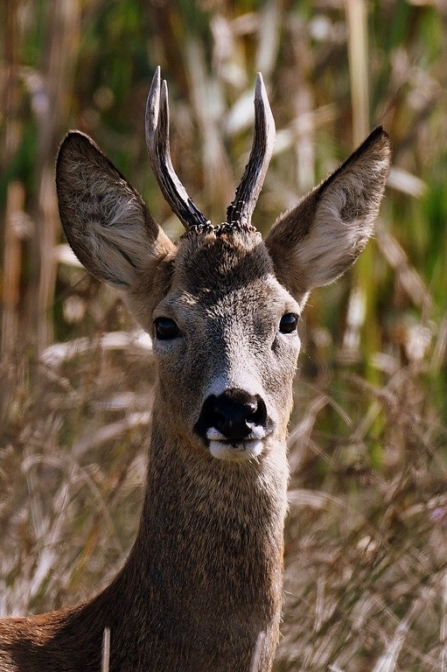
(157, 141)
(241, 209)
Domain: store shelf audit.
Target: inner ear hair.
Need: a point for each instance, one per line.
(318, 240)
(104, 218)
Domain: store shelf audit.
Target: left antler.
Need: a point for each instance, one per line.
(157, 141)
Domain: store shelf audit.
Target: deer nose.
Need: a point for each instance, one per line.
(233, 414)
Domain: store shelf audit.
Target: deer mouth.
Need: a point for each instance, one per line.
(236, 452)
(234, 425)
(237, 449)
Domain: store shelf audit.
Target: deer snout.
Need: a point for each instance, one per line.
(235, 419)
(234, 413)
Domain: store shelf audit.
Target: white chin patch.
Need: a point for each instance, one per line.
(237, 452)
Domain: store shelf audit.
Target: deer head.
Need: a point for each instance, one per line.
(222, 306)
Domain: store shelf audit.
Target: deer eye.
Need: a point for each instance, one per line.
(165, 328)
(288, 323)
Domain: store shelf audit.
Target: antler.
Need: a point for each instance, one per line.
(241, 209)
(157, 141)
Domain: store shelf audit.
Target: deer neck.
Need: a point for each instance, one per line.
(208, 511)
(202, 584)
(208, 555)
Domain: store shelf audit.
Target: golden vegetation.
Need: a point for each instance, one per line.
(366, 568)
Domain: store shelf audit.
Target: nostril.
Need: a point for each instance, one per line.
(259, 415)
(234, 413)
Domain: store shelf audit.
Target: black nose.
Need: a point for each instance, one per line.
(233, 413)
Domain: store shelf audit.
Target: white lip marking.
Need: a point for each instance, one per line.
(239, 452)
(257, 432)
(213, 434)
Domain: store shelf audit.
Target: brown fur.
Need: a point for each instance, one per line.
(203, 579)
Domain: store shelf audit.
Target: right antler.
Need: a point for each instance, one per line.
(157, 141)
(241, 209)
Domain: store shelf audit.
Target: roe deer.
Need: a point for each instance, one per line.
(202, 584)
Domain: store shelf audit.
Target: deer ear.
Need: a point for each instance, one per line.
(319, 239)
(105, 220)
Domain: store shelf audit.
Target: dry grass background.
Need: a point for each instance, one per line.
(366, 544)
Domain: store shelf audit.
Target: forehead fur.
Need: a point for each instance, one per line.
(208, 262)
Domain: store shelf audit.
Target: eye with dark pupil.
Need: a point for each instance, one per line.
(165, 328)
(288, 323)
